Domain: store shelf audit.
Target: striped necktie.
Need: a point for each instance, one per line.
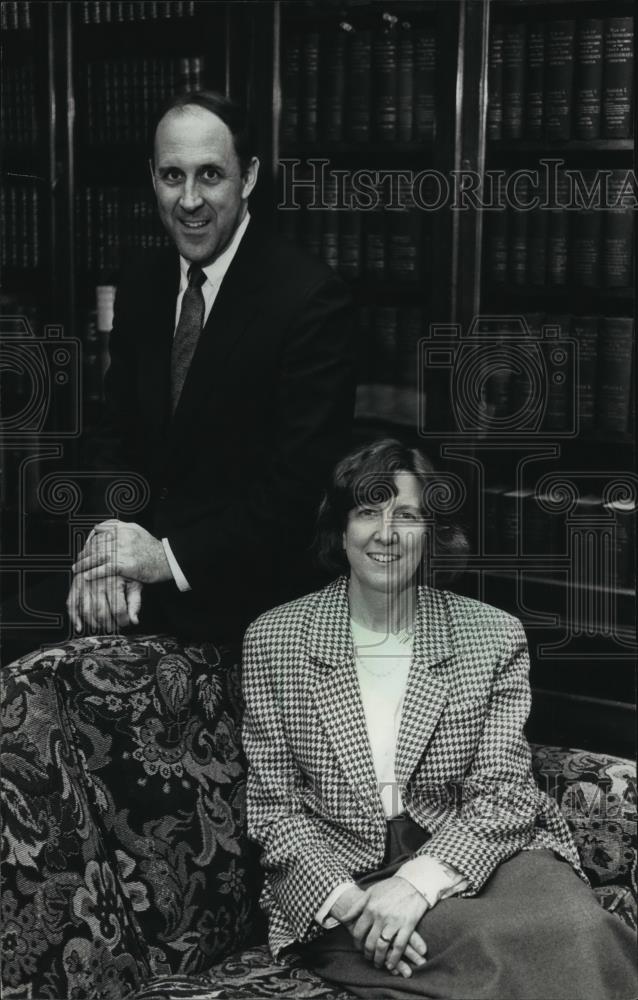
(191, 320)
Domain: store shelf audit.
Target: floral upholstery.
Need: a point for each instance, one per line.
(124, 854)
(126, 871)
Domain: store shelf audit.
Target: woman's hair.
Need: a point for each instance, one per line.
(233, 115)
(366, 477)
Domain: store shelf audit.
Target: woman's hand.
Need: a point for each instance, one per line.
(385, 928)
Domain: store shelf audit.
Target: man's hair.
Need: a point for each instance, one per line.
(233, 115)
(366, 477)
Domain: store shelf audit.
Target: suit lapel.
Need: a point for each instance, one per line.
(234, 307)
(426, 692)
(337, 697)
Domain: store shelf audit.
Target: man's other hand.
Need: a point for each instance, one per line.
(117, 548)
(106, 605)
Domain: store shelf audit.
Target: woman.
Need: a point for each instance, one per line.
(389, 779)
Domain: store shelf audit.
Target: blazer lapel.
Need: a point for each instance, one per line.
(426, 693)
(234, 307)
(337, 697)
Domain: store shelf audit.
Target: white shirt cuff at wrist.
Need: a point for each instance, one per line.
(178, 576)
(432, 878)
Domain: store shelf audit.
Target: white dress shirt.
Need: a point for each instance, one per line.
(383, 663)
(215, 274)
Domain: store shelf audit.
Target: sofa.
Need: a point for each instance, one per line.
(126, 871)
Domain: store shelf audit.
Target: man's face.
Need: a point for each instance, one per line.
(201, 193)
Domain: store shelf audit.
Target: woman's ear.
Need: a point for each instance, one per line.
(343, 540)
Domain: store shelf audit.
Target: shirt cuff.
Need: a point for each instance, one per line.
(321, 916)
(434, 879)
(178, 576)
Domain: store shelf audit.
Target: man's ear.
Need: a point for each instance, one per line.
(151, 168)
(250, 177)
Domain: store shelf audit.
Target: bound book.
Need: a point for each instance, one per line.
(423, 119)
(537, 240)
(405, 84)
(561, 39)
(358, 118)
(309, 87)
(589, 77)
(514, 46)
(333, 90)
(618, 238)
(558, 232)
(585, 332)
(614, 374)
(535, 85)
(586, 242)
(495, 83)
(384, 85)
(618, 74)
(558, 388)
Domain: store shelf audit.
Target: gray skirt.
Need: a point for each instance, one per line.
(534, 932)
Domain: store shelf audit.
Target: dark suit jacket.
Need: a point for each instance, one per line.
(236, 474)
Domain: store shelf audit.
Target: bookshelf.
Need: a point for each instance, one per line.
(364, 91)
(350, 98)
(558, 106)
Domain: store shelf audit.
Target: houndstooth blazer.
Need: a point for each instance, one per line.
(462, 761)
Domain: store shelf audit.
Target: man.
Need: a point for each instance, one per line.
(230, 389)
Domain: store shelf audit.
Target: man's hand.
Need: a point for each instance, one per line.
(385, 928)
(117, 548)
(104, 606)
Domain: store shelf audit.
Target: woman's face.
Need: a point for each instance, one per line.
(384, 542)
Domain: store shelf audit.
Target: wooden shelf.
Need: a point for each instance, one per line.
(560, 146)
(552, 293)
(325, 150)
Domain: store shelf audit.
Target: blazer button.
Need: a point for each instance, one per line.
(163, 493)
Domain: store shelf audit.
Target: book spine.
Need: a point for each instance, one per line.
(497, 257)
(538, 231)
(514, 46)
(618, 236)
(384, 85)
(405, 85)
(518, 246)
(558, 389)
(558, 233)
(618, 75)
(561, 40)
(350, 240)
(535, 89)
(404, 238)
(360, 86)
(589, 76)
(424, 112)
(614, 374)
(585, 331)
(330, 228)
(310, 87)
(585, 246)
(495, 83)
(333, 91)
(375, 244)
